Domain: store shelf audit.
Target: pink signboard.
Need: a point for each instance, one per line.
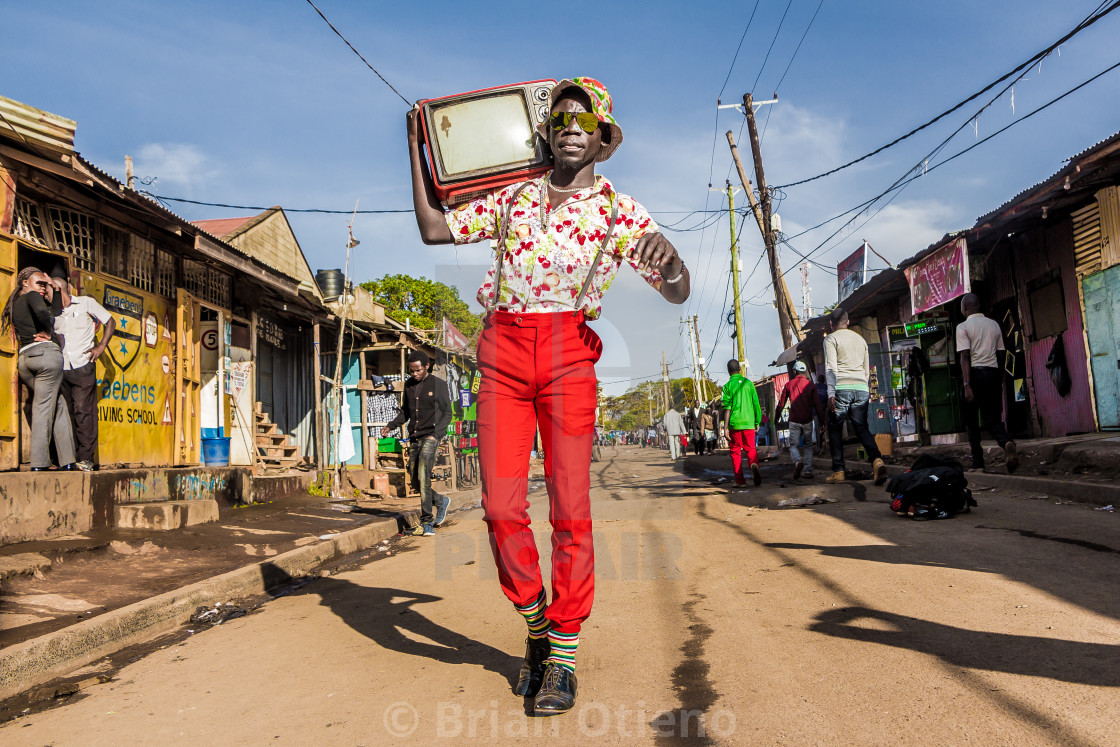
(940, 277)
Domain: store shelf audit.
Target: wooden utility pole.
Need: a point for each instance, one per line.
(740, 342)
(665, 382)
(787, 314)
(696, 365)
(700, 360)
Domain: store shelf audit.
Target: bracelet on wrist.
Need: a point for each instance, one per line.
(677, 279)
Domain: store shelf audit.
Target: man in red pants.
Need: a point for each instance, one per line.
(562, 239)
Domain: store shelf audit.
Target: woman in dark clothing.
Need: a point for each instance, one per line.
(28, 313)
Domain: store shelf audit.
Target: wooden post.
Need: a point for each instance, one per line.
(787, 316)
(318, 390)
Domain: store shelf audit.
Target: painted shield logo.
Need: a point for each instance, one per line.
(128, 309)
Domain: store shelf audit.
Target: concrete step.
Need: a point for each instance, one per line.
(165, 515)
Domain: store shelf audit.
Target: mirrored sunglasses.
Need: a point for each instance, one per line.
(587, 121)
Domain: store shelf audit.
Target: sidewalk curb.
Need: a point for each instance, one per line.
(1097, 494)
(42, 659)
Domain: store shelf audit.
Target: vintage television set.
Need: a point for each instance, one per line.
(483, 140)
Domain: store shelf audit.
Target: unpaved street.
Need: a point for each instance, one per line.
(718, 619)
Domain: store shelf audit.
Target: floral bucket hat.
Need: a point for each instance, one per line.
(601, 106)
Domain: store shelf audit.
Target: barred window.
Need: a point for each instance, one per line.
(28, 223)
(114, 251)
(194, 277)
(75, 233)
(218, 288)
(165, 274)
(141, 262)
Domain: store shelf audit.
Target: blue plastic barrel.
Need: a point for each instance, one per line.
(215, 452)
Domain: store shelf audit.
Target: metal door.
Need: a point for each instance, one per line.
(188, 380)
(9, 412)
(1102, 322)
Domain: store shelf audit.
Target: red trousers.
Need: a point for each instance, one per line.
(539, 369)
(742, 441)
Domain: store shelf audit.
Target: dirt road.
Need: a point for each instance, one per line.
(718, 619)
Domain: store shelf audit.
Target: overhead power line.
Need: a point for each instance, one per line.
(910, 177)
(363, 59)
(161, 198)
(1089, 20)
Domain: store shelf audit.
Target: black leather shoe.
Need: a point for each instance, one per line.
(532, 669)
(558, 691)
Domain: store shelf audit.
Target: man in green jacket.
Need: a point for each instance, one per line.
(741, 416)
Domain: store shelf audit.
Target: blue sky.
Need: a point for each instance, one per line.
(259, 103)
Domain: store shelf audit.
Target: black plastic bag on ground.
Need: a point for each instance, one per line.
(934, 488)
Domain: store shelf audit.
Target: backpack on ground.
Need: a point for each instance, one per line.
(934, 488)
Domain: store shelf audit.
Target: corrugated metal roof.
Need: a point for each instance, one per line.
(36, 128)
(1071, 166)
(222, 226)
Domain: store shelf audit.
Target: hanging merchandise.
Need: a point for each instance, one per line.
(345, 447)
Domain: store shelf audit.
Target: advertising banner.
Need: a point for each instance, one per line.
(851, 273)
(135, 377)
(940, 277)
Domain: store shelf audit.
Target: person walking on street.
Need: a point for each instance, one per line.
(707, 428)
(981, 351)
(742, 414)
(427, 409)
(77, 326)
(674, 427)
(571, 232)
(847, 371)
(39, 362)
(804, 408)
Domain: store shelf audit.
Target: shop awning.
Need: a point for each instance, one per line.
(789, 355)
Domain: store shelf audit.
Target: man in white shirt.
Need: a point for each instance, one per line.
(77, 326)
(981, 351)
(847, 371)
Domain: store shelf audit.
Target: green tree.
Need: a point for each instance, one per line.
(631, 408)
(424, 302)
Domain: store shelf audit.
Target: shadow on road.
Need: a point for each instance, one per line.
(384, 615)
(1066, 661)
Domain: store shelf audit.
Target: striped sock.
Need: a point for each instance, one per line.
(564, 647)
(534, 616)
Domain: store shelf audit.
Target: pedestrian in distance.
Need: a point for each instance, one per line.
(39, 363)
(848, 373)
(674, 427)
(537, 356)
(804, 408)
(742, 414)
(707, 428)
(427, 409)
(981, 350)
(76, 324)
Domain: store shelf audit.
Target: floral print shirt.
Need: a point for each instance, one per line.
(548, 250)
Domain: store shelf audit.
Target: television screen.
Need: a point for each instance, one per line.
(484, 140)
(482, 134)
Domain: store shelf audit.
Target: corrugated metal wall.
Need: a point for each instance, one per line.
(1037, 254)
(296, 383)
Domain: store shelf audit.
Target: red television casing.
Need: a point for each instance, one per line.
(457, 190)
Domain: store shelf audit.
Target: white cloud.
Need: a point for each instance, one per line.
(179, 165)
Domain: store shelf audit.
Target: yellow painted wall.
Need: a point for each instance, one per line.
(136, 375)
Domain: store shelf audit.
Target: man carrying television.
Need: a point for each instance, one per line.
(537, 357)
